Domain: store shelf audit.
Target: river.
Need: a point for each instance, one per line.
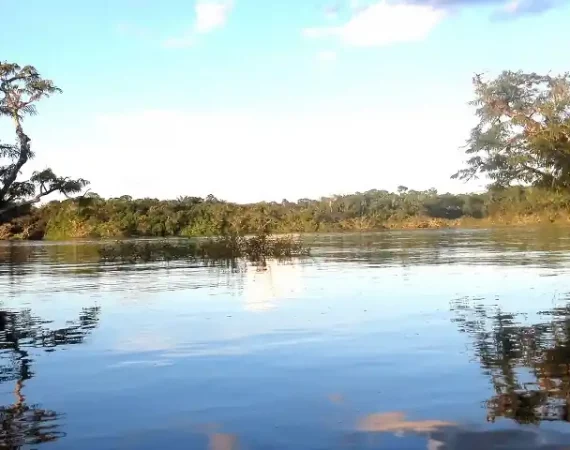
(456, 339)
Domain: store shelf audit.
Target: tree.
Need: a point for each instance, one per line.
(523, 131)
(20, 89)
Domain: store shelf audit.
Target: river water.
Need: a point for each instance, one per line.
(394, 340)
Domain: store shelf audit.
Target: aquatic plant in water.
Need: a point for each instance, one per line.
(228, 247)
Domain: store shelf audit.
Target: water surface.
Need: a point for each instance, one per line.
(410, 340)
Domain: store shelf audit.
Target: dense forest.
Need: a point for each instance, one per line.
(92, 216)
(521, 145)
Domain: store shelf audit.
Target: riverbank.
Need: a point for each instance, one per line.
(124, 217)
(486, 222)
(33, 228)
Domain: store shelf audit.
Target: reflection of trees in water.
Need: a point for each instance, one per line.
(509, 352)
(78, 266)
(544, 246)
(19, 261)
(16, 253)
(24, 423)
(514, 247)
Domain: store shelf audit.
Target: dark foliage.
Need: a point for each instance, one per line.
(20, 89)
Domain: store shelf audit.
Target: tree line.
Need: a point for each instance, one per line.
(93, 216)
(520, 145)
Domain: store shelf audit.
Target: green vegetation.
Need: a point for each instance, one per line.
(225, 249)
(94, 217)
(523, 134)
(20, 89)
(372, 210)
(522, 137)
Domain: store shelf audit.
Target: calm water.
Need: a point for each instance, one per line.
(409, 340)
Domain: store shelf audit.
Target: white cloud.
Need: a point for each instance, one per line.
(382, 24)
(212, 14)
(512, 6)
(357, 5)
(326, 56)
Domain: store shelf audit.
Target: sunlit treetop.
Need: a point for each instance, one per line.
(523, 131)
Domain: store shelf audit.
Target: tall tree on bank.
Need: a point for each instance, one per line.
(20, 89)
(523, 134)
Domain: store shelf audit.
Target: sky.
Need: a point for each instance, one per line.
(254, 100)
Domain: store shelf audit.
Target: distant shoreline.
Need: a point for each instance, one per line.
(124, 217)
(415, 224)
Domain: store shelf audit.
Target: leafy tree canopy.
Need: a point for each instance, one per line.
(20, 89)
(523, 131)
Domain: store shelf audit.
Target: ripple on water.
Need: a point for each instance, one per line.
(451, 339)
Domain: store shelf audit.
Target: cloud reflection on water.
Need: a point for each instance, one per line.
(443, 435)
(277, 280)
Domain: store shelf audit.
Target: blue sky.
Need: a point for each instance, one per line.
(251, 99)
